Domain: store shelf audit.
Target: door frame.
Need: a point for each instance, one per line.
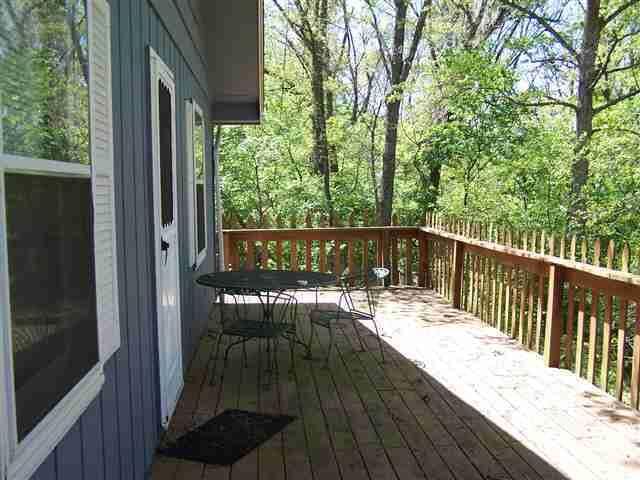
(160, 71)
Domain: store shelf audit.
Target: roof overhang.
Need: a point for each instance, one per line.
(234, 38)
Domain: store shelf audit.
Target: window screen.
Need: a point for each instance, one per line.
(52, 290)
(198, 160)
(166, 154)
(200, 217)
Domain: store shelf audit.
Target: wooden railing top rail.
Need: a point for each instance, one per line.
(625, 285)
(318, 233)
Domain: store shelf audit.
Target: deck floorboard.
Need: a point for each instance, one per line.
(454, 399)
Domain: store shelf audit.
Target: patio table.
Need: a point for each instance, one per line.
(268, 286)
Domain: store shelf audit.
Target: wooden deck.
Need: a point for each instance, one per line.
(454, 400)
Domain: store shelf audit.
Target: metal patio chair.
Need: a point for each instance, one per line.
(350, 310)
(270, 316)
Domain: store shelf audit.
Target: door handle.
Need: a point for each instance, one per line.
(164, 248)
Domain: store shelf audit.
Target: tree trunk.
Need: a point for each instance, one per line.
(584, 111)
(393, 103)
(320, 144)
(389, 161)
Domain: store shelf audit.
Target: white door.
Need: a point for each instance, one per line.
(167, 259)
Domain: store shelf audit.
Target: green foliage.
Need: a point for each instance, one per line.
(468, 145)
(43, 94)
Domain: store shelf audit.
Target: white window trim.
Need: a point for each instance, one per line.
(20, 460)
(196, 258)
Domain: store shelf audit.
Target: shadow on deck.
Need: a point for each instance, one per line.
(454, 400)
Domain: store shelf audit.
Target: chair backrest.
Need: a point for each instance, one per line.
(282, 306)
(365, 282)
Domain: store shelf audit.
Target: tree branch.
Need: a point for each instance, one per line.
(384, 52)
(615, 101)
(415, 41)
(546, 25)
(630, 66)
(619, 11)
(550, 103)
(603, 68)
(621, 130)
(296, 27)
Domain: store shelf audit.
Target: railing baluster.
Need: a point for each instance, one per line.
(294, 248)
(279, 255)
(622, 326)
(571, 305)
(337, 261)
(507, 298)
(530, 306)
(294, 254)
(395, 268)
(524, 293)
(423, 267)
(365, 255)
(581, 312)
(251, 255)
(606, 328)
(593, 320)
(457, 277)
(500, 296)
(308, 247)
(494, 291)
(514, 300)
(322, 255)
(635, 360)
(408, 264)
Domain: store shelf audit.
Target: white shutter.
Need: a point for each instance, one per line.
(191, 188)
(218, 198)
(102, 177)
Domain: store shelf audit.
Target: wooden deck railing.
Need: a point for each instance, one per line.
(576, 313)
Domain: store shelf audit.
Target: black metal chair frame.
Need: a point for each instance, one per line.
(350, 283)
(270, 326)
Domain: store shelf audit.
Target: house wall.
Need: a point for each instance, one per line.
(117, 435)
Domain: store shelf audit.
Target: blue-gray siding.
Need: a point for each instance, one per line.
(117, 435)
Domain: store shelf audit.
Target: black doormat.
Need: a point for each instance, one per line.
(227, 437)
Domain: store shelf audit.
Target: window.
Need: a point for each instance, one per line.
(58, 292)
(197, 183)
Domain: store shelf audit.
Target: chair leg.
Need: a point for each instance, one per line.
(375, 325)
(244, 354)
(310, 344)
(291, 355)
(276, 348)
(355, 327)
(330, 346)
(217, 352)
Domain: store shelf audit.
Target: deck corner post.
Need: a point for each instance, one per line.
(385, 256)
(553, 328)
(458, 274)
(226, 250)
(423, 280)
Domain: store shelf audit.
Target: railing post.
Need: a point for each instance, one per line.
(395, 268)
(553, 328)
(423, 267)
(227, 253)
(457, 274)
(383, 255)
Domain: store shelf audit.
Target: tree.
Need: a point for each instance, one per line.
(483, 25)
(310, 22)
(597, 57)
(397, 67)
